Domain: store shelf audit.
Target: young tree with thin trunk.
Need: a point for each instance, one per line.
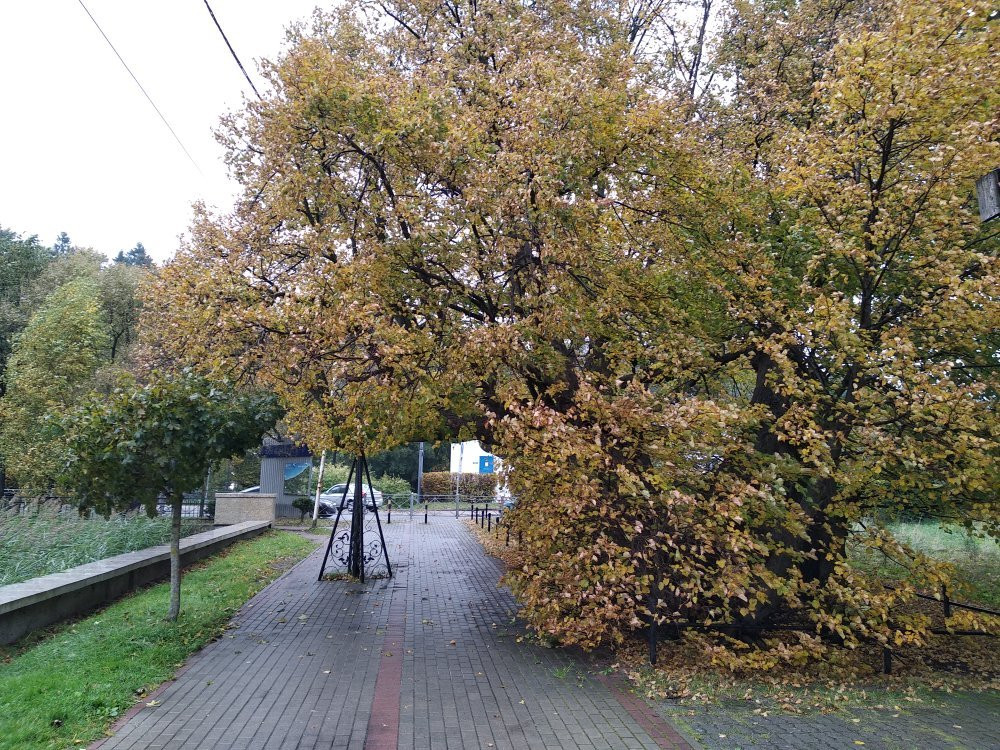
(159, 438)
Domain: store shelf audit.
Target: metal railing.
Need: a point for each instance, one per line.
(188, 509)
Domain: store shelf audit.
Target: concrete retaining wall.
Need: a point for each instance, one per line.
(239, 507)
(47, 599)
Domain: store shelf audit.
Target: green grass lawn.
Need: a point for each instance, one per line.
(976, 560)
(45, 539)
(64, 688)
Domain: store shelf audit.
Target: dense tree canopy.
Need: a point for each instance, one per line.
(159, 438)
(21, 261)
(54, 363)
(719, 301)
(137, 256)
(67, 326)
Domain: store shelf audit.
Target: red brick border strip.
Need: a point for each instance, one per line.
(655, 725)
(383, 723)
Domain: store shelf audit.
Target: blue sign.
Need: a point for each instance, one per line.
(486, 464)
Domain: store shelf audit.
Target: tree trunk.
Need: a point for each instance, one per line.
(175, 556)
(768, 443)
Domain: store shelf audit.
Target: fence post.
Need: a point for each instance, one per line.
(388, 515)
(489, 522)
(472, 510)
(652, 639)
(204, 493)
(425, 511)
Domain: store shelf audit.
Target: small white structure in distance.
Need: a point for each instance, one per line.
(470, 458)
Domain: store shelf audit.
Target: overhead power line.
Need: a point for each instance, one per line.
(231, 50)
(141, 87)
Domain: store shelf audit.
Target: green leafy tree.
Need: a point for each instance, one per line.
(403, 461)
(137, 256)
(73, 265)
(83, 321)
(62, 245)
(237, 473)
(119, 287)
(52, 366)
(21, 261)
(158, 438)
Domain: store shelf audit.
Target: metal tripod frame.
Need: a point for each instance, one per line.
(355, 551)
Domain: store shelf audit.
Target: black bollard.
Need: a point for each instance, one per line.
(388, 515)
(472, 510)
(507, 542)
(489, 522)
(425, 511)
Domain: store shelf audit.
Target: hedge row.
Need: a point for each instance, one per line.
(444, 483)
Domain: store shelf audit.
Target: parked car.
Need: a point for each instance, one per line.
(329, 501)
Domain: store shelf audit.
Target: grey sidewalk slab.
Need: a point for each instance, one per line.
(298, 668)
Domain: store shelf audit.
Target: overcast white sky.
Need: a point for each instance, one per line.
(82, 151)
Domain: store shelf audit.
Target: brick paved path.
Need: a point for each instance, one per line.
(429, 659)
(969, 721)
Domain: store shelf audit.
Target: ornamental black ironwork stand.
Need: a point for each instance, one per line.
(348, 545)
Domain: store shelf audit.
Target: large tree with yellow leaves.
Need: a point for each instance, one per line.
(719, 301)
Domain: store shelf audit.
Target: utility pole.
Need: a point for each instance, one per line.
(420, 472)
(319, 487)
(458, 477)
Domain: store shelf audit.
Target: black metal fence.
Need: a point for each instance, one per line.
(674, 628)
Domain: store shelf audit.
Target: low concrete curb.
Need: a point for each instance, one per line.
(42, 601)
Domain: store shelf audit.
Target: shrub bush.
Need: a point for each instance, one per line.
(303, 505)
(444, 483)
(390, 485)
